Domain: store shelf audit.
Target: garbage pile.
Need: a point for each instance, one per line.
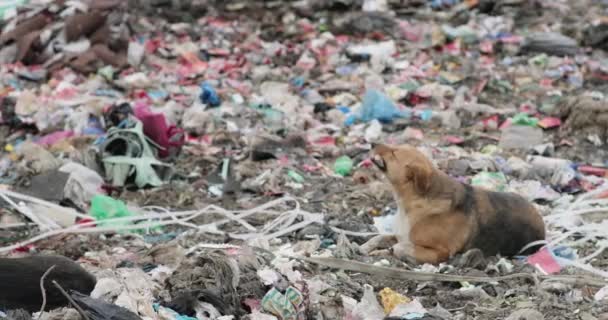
(210, 160)
(75, 34)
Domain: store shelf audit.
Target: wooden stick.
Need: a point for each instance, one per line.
(67, 296)
(43, 290)
(427, 276)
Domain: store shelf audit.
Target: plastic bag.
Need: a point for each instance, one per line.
(376, 105)
(209, 96)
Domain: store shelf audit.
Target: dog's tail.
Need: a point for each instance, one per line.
(532, 247)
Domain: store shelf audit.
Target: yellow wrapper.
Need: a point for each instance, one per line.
(390, 299)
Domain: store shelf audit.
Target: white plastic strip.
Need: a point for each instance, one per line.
(589, 231)
(155, 216)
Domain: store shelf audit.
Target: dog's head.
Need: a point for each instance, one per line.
(404, 165)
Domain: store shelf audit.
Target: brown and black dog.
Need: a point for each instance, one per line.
(440, 216)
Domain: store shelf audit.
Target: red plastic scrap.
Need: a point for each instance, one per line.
(505, 124)
(549, 122)
(410, 32)
(586, 185)
(218, 23)
(283, 161)
(25, 249)
(595, 171)
(219, 52)
(311, 168)
(142, 96)
(547, 83)
(152, 45)
(190, 59)
(453, 139)
(600, 76)
(253, 304)
(415, 99)
(486, 46)
(306, 27)
(243, 88)
(376, 35)
(325, 141)
(602, 195)
(88, 222)
(206, 139)
(490, 123)
(526, 108)
(453, 47)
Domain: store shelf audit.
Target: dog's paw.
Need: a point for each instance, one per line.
(404, 253)
(410, 260)
(378, 242)
(380, 253)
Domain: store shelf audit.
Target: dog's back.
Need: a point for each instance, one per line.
(494, 222)
(506, 223)
(20, 281)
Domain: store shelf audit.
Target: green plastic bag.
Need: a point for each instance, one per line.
(524, 120)
(343, 166)
(295, 176)
(104, 208)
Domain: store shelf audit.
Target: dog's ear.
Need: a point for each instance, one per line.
(420, 174)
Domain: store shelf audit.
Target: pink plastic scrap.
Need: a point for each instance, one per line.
(545, 261)
(454, 139)
(486, 46)
(490, 123)
(591, 170)
(52, 138)
(367, 163)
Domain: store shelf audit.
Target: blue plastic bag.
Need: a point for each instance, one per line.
(377, 106)
(209, 96)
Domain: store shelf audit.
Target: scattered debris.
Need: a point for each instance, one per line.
(210, 159)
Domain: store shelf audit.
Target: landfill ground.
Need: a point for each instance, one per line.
(249, 188)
